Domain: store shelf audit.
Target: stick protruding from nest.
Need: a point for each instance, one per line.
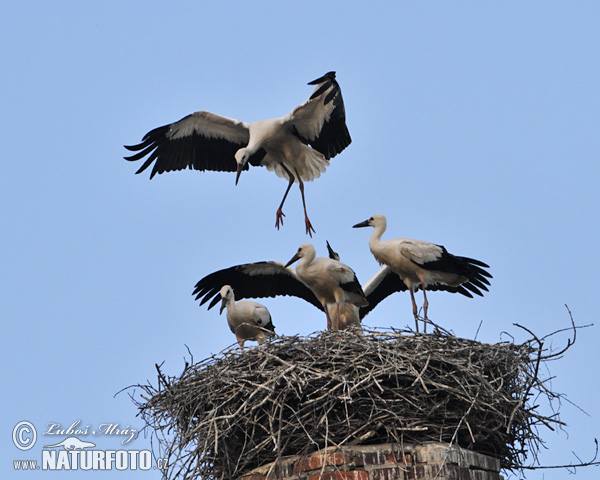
(233, 412)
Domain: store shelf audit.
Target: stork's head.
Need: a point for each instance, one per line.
(226, 297)
(305, 251)
(374, 221)
(241, 158)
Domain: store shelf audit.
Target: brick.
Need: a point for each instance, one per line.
(428, 461)
(373, 458)
(355, 475)
(404, 456)
(316, 461)
(415, 472)
(393, 473)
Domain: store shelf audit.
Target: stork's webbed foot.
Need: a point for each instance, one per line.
(309, 228)
(279, 218)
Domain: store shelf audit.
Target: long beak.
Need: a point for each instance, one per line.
(238, 173)
(295, 258)
(361, 224)
(223, 305)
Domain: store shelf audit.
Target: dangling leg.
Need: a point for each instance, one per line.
(309, 228)
(414, 309)
(279, 213)
(425, 307)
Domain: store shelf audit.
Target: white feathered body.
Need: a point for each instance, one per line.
(404, 256)
(282, 146)
(248, 320)
(324, 277)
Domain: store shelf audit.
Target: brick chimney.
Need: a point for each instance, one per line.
(426, 461)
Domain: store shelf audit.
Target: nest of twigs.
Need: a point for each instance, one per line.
(233, 412)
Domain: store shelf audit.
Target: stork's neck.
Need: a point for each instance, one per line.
(253, 147)
(306, 260)
(375, 239)
(230, 300)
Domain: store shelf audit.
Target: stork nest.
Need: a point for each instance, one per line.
(235, 411)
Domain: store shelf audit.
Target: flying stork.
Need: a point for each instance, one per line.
(419, 264)
(297, 146)
(322, 282)
(247, 320)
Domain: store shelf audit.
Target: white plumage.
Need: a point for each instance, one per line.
(332, 282)
(420, 264)
(296, 147)
(327, 284)
(246, 319)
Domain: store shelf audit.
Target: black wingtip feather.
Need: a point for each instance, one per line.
(140, 154)
(331, 95)
(139, 146)
(478, 284)
(329, 75)
(156, 132)
(472, 288)
(214, 301)
(464, 292)
(473, 261)
(321, 90)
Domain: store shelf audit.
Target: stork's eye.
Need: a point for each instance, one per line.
(371, 219)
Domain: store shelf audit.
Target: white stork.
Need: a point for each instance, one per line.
(344, 316)
(422, 265)
(247, 320)
(296, 147)
(333, 282)
(322, 282)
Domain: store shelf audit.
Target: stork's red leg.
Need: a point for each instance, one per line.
(414, 309)
(279, 213)
(309, 228)
(425, 307)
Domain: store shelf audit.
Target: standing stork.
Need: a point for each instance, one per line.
(296, 147)
(247, 320)
(321, 282)
(422, 265)
(344, 316)
(333, 282)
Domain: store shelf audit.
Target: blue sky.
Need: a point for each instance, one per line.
(475, 125)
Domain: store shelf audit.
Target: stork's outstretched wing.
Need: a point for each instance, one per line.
(436, 258)
(254, 280)
(200, 141)
(321, 120)
(382, 285)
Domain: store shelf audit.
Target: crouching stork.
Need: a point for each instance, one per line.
(247, 320)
